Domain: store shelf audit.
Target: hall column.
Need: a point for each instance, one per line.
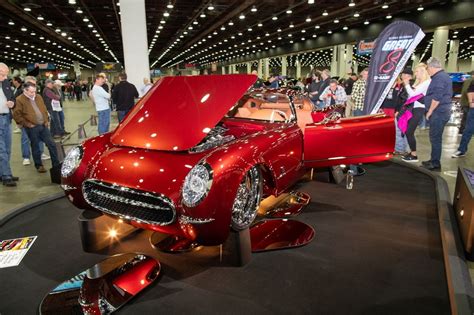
(298, 68)
(284, 66)
(223, 69)
(415, 59)
(259, 68)
(341, 61)
(348, 60)
(334, 61)
(266, 68)
(135, 41)
(249, 68)
(230, 69)
(453, 56)
(440, 44)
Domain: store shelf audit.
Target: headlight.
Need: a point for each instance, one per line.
(71, 161)
(197, 184)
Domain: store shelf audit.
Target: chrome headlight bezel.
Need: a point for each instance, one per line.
(202, 173)
(72, 161)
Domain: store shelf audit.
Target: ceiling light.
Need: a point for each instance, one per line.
(366, 22)
(79, 10)
(163, 22)
(385, 6)
(336, 21)
(40, 18)
(289, 11)
(170, 5)
(202, 15)
(317, 27)
(27, 9)
(329, 32)
(254, 9)
(85, 19)
(210, 7)
(325, 13)
(90, 25)
(345, 28)
(351, 4)
(388, 16)
(23, 29)
(195, 23)
(356, 14)
(166, 14)
(310, 1)
(241, 16)
(259, 24)
(274, 18)
(231, 23)
(11, 22)
(308, 19)
(49, 24)
(420, 8)
(63, 34)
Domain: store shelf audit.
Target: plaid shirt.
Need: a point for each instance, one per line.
(358, 94)
(341, 96)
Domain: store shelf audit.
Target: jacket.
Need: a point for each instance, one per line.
(8, 93)
(48, 97)
(124, 95)
(23, 112)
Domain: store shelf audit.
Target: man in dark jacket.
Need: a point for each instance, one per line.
(123, 96)
(53, 105)
(6, 104)
(438, 102)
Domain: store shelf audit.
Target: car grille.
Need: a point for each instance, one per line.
(129, 203)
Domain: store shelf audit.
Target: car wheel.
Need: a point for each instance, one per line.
(247, 199)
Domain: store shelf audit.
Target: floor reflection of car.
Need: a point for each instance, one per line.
(196, 155)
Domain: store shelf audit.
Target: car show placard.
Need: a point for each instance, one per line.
(12, 251)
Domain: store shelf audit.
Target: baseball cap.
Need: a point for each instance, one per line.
(58, 82)
(48, 81)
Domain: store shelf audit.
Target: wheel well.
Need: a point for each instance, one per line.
(269, 184)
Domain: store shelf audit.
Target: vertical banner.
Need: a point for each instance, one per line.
(392, 50)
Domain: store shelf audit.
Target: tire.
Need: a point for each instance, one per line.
(247, 199)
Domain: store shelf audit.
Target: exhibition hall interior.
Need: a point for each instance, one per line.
(230, 157)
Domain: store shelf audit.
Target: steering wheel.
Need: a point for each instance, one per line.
(279, 112)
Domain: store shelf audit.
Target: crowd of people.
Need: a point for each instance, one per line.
(418, 97)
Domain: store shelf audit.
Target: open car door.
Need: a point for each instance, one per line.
(351, 140)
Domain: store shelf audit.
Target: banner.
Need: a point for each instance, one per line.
(108, 67)
(365, 47)
(40, 66)
(392, 50)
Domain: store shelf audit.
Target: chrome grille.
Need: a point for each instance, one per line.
(129, 203)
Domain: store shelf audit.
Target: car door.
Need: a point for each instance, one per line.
(351, 140)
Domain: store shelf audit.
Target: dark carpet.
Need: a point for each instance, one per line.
(377, 250)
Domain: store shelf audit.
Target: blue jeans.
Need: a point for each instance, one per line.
(5, 146)
(61, 120)
(25, 145)
(400, 141)
(437, 123)
(467, 132)
(37, 134)
(104, 121)
(357, 112)
(121, 114)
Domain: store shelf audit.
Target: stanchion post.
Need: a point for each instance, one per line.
(81, 132)
(93, 120)
(60, 150)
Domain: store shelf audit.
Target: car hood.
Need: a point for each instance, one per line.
(178, 112)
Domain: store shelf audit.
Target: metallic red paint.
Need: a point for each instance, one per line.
(177, 106)
(282, 150)
(279, 234)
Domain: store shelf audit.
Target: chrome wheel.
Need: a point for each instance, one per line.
(247, 199)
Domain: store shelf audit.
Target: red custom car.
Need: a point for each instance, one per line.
(195, 156)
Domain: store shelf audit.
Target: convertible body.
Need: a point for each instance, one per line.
(196, 154)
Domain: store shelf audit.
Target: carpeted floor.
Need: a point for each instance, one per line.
(377, 250)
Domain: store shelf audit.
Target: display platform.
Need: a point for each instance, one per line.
(377, 250)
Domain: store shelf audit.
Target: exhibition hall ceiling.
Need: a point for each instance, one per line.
(190, 31)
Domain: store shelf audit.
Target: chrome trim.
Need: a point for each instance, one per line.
(124, 200)
(208, 186)
(67, 187)
(247, 199)
(186, 219)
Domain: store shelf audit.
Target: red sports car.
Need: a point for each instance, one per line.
(196, 154)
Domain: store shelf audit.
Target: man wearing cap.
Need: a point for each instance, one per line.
(6, 104)
(52, 102)
(438, 102)
(30, 113)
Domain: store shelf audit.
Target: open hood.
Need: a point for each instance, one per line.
(178, 112)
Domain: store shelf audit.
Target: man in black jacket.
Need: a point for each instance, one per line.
(6, 104)
(123, 96)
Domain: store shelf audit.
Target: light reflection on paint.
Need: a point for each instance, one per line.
(205, 97)
(206, 130)
(153, 135)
